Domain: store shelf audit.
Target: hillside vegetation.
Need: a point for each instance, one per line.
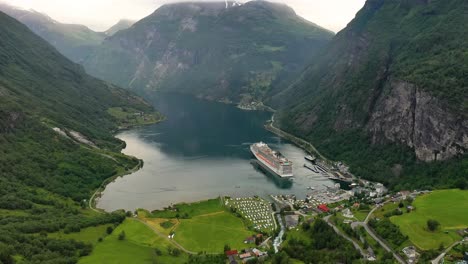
(72, 40)
(209, 50)
(389, 93)
(56, 147)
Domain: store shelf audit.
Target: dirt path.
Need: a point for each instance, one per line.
(157, 232)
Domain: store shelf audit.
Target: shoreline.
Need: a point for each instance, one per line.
(102, 187)
(98, 192)
(300, 143)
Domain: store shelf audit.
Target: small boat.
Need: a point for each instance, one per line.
(310, 158)
(310, 188)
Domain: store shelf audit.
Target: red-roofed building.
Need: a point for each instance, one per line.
(323, 208)
(231, 253)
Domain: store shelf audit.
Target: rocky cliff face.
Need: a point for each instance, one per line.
(410, 115)
(217, 50)
(396, 73)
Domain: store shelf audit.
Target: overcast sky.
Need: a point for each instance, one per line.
(101, 14)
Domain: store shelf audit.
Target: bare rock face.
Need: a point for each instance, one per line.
(411, 116)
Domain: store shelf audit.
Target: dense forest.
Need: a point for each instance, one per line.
(322, 245)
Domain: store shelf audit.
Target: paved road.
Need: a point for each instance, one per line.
(299, 141)
(442, 255)
(338, 231)
(91, 200)
(376, 237)
(380, 241)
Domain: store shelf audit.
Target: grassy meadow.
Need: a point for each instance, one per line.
(448, 207)
(211, 232)
(139, 246)
(201, 226)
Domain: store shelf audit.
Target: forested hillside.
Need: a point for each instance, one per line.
(56, 147)
(390, 93)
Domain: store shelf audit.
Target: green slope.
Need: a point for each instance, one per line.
(211, 51)
(395, 74)
(76, 42)
(45, 176)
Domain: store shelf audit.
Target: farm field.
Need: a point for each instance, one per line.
(202, 226)
(448, 207)
(138, 247)
(211, 232)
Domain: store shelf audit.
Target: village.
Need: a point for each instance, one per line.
(337, 206)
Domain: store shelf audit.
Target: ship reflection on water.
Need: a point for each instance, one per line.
(285, 183)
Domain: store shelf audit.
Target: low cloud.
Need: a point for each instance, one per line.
(102, 14)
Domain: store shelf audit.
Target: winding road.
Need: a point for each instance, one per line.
(376, 237)
(442, 255)
(338, 231)
(91, 200)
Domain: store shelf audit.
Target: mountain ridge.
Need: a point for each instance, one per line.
(120, 25)
(75, 41)
(229, 54)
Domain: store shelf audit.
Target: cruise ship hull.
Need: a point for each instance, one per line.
(264, 164)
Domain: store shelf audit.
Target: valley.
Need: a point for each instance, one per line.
(153, 159)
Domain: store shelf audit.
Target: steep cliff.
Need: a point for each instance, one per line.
(397, 72)
(389, 94)
(218, 50)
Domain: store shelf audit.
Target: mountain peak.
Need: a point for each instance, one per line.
(120, 25)
(247, 49)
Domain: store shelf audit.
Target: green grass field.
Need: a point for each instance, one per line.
(448, 207)
(211, 232)
(138, 247)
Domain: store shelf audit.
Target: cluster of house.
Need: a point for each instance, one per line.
(256, 210)
(313, 200)
(244, 256)
(370, 189)
(403, 195)
(411, 253)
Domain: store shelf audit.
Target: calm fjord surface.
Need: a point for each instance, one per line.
(201, 151)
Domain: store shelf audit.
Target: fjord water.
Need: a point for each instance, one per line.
(201, 151)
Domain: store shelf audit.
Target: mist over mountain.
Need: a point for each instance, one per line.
(121, 25)
(215, 50)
